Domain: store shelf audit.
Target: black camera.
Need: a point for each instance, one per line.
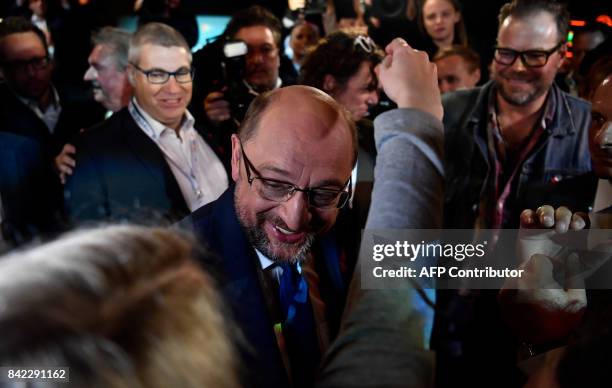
(233, 65)
(221, 66)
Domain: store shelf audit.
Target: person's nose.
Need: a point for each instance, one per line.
(296, 212)
(258, 56)
(444, 85)
(518, 64)
(372, 97)
(172, 85)
(604, 137)
(90, 74)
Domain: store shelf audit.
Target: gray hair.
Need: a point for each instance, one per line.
(117, 40)
(158, 34)
(121, 306)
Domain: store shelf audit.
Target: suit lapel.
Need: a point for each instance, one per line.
(244, 292)
(153, 160)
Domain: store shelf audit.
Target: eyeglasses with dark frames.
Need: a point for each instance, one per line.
(37, 63)
(183, 75)
(280, 191)
(530, 58)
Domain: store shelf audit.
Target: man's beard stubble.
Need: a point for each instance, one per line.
(260, 241)
(521, 98)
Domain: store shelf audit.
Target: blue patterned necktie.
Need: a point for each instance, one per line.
(298, 325)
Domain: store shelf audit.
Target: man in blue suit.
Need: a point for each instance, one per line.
(291, 166)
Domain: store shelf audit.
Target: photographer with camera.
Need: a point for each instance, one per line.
(231, 71)
(244, 74)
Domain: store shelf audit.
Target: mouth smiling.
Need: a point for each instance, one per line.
(283, 234)
(171, 102)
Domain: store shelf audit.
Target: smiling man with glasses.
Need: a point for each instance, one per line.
(509, 145)
(148, 163)
(284, 266)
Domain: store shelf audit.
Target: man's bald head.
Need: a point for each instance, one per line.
(291, 163)
(298, 102)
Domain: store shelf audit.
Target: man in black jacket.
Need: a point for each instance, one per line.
(147, 163)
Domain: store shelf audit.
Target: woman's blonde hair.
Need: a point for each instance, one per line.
(121, 306)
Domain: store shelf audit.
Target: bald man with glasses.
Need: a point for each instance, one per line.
(149, 162)
(285, 273)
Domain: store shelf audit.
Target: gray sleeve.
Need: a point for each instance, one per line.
(380, 341)
(409, 174)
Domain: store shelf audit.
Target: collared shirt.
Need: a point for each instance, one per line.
(276, 271)
(197, 169)
(496, 206)
(251, 89)
(51, 115)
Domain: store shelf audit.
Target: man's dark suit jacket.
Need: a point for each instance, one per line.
(29, 189)
(121, 175)
(17, 118)
(218, 226)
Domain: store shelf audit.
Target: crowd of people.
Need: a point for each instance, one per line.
(195, 218)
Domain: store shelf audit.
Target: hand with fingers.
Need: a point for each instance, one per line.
(549, 300)
(410, 79)
(217, 108)
(65, 162)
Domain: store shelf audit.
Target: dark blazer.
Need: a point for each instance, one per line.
(17, 118)
(121, 175)
(217, 225)
(29, 190)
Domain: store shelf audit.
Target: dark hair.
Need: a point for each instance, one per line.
(339, 55)
(459, 35)
(469, 56)
(523, 8)
(599, 71)
(251, 17)
(17, 24)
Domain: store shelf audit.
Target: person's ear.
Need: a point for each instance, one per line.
(236, 156)
(562, 51)
(475, 76)
(130, 74)
(457, 17)
(329, 83)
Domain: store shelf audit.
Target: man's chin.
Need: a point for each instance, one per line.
(284, 254)
(261, 82)
(279, 251)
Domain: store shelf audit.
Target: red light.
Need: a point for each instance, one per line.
(604, 19)
(577, 23)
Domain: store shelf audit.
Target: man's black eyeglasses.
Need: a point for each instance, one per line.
(37, 63)
(183, 75)
(530, 58)
(280, 191)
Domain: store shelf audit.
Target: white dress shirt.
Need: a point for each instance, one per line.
(197, 169)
